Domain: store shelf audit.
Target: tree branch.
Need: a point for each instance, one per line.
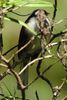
(33, 61)
(57, 90)
(54, 15)
(37, 97)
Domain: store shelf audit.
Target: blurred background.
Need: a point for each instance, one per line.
(11, 33)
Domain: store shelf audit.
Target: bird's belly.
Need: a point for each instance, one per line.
(32, 49)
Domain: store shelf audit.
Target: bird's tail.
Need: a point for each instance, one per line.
(25, 74)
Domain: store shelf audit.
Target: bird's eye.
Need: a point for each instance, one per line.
(46, 23)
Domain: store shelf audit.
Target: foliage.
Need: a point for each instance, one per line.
(29, 3)
(10, 6)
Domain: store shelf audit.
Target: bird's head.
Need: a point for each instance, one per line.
(42, 21)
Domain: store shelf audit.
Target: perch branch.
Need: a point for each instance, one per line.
(14, 73)
(33, 61)
(19, 82)
(21, 48)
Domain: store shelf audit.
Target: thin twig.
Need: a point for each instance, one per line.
(54, 15)
(19, 82)
(65, 98)
(15, 73)
(57, 35)
(37, 97)
(20, 14)
(42, 73)
(55, 9)
(9, 50)
(57, 90)
(9, 97)
(1, 64)
(21, 48)
(2, 75)
(1, 28)
(33, 61)
(12, 8)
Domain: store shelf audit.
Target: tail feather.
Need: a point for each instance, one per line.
(25, 74)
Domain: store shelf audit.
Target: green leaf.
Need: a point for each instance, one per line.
(38, 3)
(21, 23)
(65, 80)
(27, 3)
(28, 27)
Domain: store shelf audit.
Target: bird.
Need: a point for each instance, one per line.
(40, 23)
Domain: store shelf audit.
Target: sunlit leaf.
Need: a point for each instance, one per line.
(21, 23)
(40, 3)
(26, 3)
